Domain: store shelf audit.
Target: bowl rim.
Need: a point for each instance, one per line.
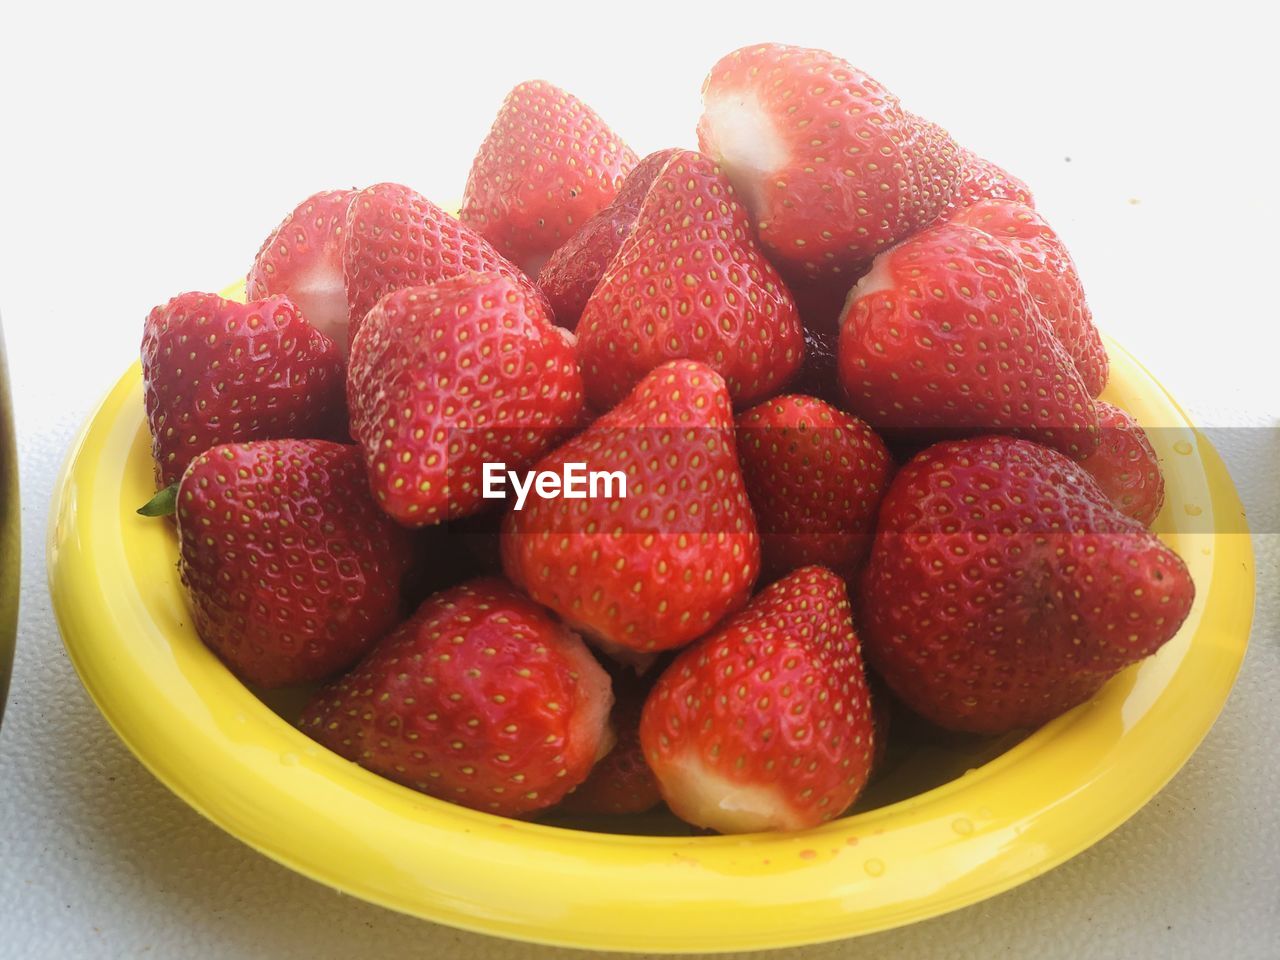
(225, 753)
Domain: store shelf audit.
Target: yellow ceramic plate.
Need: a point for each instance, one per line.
(224, 751)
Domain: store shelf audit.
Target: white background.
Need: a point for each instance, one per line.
(148, 150)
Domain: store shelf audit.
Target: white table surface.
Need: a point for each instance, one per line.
(148, 151)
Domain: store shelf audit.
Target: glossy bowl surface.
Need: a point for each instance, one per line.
(998, 821)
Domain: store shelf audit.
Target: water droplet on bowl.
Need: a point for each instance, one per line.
(874, 866)
(1192, 509)
(962, 826)
(289, 759)
(1183, 447)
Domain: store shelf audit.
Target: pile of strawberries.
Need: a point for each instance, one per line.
(833, 354)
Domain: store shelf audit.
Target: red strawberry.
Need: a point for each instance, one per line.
(572, 272)
(1051, 279)
(1126, 466)
(815, 476)
(291, 569)
(621, 782)
(302, 259)
(446, 378)
(690, 282)
(481, 698)
(215, 371)
(397, 238)
(832, 167)
(1004, 587)
(943, 335)
(548, 165)
(980, 179)
(766, 723)
(655, 568)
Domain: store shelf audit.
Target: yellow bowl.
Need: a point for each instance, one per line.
(228, 754)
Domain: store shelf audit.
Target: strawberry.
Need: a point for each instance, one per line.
(621, 782)
(1051, 279)
(574, 269)
(943, 335)
(980, 179)
(548, 165)
(215, 371)
(302, 259)
(766, 723)
(658, 566)
(1004, 587)
(690, 282)
(397, 238)
(445, 378)
(831, 165)
(480, 698)
(815, 476)
(291, 569)
(1126, 466)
